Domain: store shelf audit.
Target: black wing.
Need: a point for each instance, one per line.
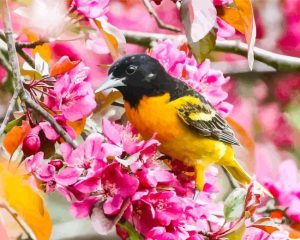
(201, 116)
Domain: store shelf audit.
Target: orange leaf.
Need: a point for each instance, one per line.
(245, 10)
(294, 233)
(25, 201)
(15, 137)
(246, 141)
(232, 17)
(77, 126)
(44, 50)
(63, 65)
(266, 224)
(106, 100)
(113, 37)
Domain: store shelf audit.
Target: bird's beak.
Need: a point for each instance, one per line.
(111, 82)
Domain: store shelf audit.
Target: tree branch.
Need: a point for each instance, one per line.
(159, 22)
(59, 129)
(4, 62)
(15, 217)
(19, 49)
(10, 109)
(280, 62)
(11, 45)
(21, 45)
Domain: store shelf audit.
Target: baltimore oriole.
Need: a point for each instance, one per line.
(187, 125)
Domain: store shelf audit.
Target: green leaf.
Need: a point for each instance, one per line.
(15, 122)
(234, 204)
(293, 115)
(205, 36)
(202, 48)
(133, 234)
(237, 234)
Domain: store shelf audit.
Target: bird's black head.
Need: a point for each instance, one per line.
(136, 76)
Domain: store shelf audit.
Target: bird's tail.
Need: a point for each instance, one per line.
(238, 173)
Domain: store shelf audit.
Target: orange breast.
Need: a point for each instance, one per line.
(157, 115)
(154, 115)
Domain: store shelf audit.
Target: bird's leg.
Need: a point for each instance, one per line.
(196, 194)
(199, 171)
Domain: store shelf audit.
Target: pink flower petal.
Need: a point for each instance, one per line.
(67, 176)
(83, 209)
(113, 205)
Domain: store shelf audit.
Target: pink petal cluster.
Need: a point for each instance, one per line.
(286, 188)
(72, 94)
(92, 8)
(121, 172)
(289, 42)
(207, 81)
(274, 123)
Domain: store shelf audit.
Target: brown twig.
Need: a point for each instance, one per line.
(21, 45)
(4, 62)
(20, 50)
(59, 129)
(281, 63)
(10, 109)
(12, 52)
(15, 217)
(159, 22)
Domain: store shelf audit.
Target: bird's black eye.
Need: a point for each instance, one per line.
(131, 69)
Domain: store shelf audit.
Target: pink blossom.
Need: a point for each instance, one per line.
(81, 209)
(160, 233)
(127, 139)
(51, 133)
(2, 75)
(222, 2)
(92, 8)
(31, 144)
(151, 177)
(274, 123)
(201, 77)
(88, 156)
(35, 164)
(172, 59)
(72, 95)
(286, 189)
(224, 29)
(117, 186)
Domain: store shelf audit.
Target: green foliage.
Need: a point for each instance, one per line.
(234, 204)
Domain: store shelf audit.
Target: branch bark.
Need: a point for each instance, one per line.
(4, 62)
(10, 109)
(13, 58)
(159, 22)
(279, 62)
(49, 118)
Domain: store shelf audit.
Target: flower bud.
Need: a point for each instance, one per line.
(58, 164)
(31, 144)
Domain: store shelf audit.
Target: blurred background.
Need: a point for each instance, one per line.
(266, 103)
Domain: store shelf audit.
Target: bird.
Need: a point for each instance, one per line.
(186, 124)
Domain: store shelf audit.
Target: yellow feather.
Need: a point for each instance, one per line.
(159, 115)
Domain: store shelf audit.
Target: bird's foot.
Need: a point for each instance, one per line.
(196, 194)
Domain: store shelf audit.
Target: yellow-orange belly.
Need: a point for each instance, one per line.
(156, 115)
